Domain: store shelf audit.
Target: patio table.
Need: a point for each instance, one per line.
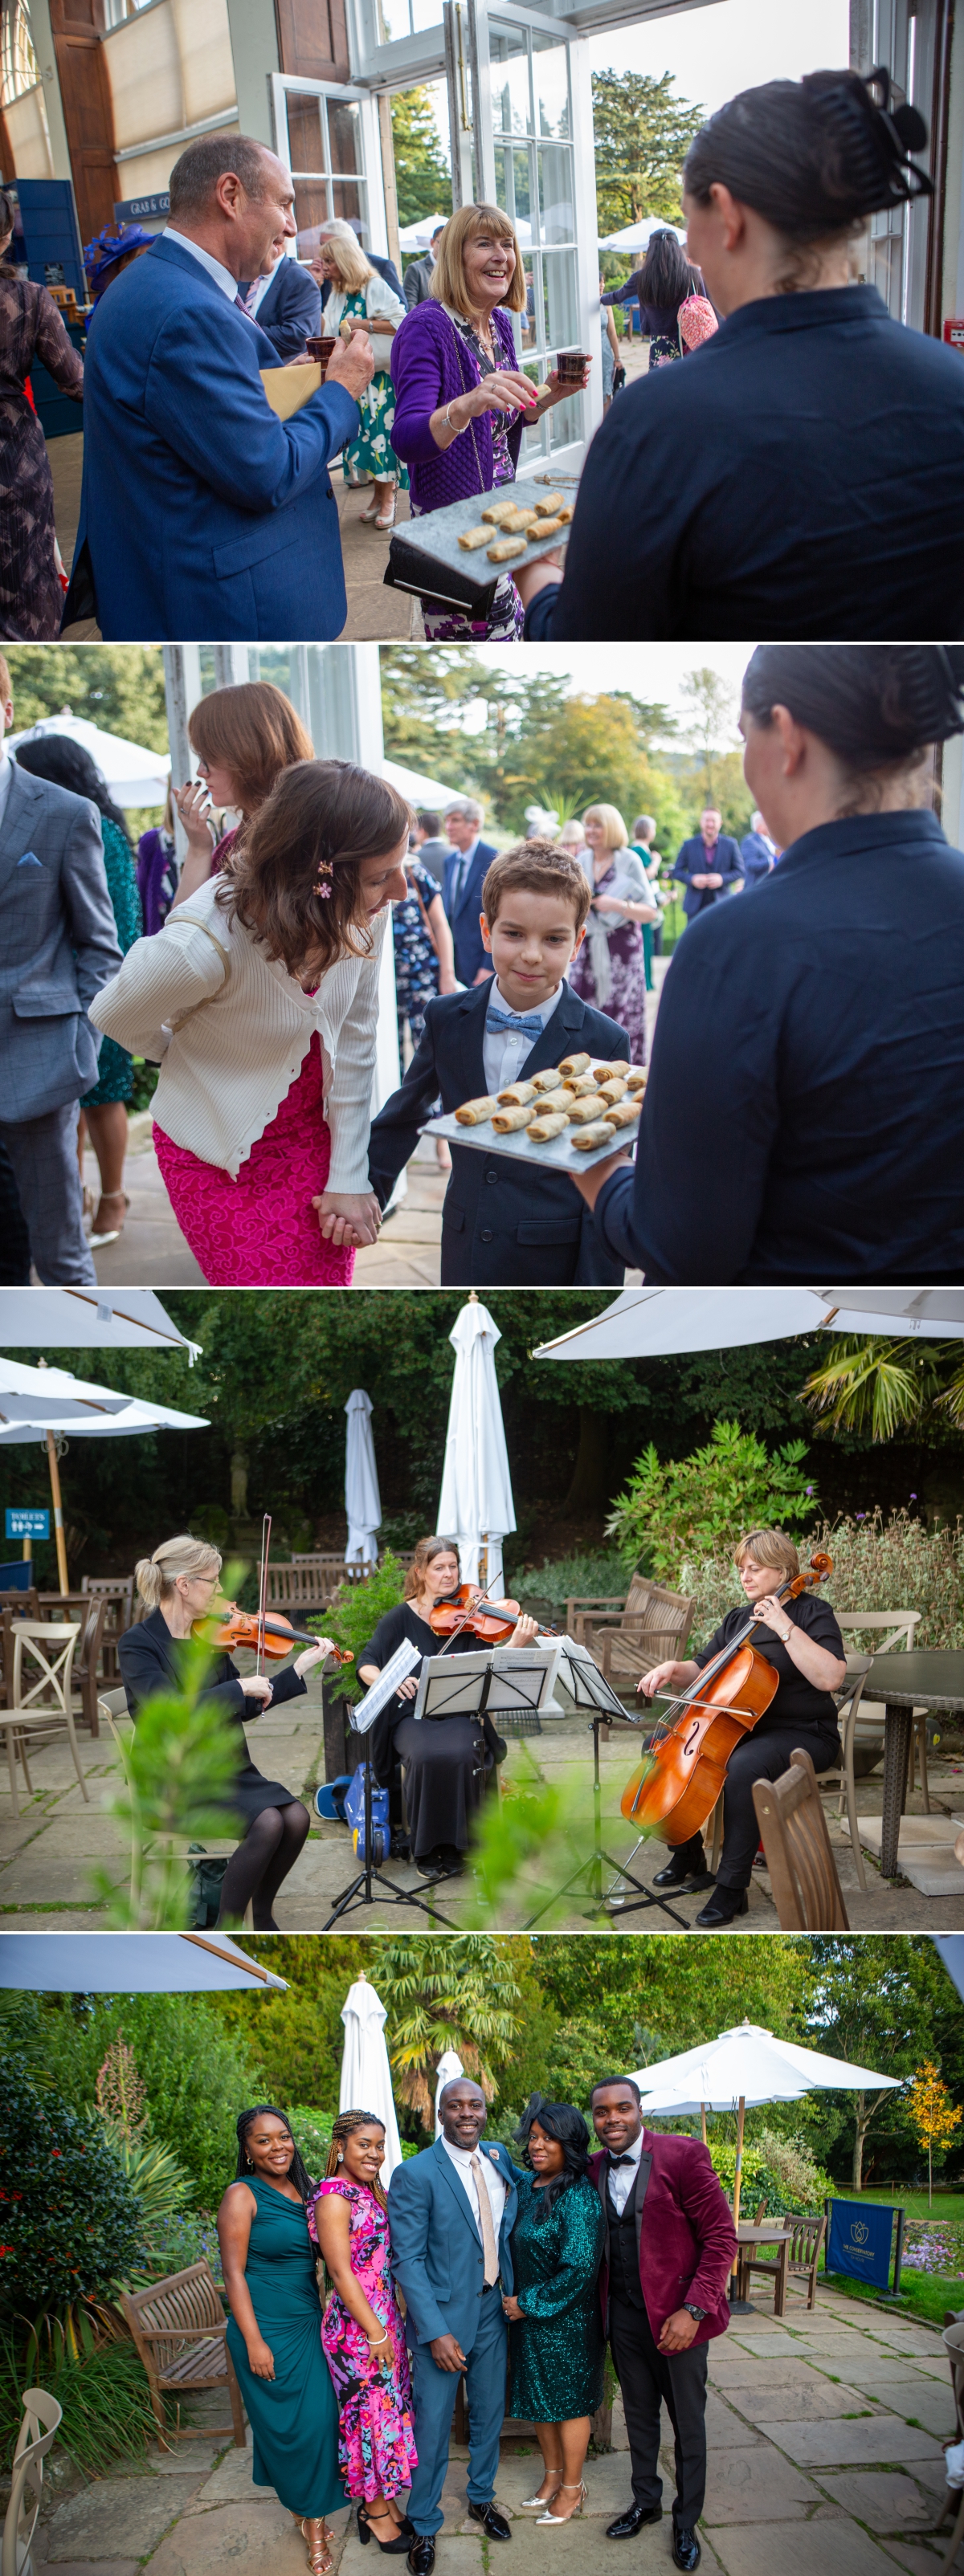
(771, 2231)
(905, 1682)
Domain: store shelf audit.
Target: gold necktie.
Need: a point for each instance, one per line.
(489, 2247)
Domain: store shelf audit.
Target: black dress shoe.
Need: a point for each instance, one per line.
(627, 2524)
(686, 2548)
(421, 2556)
(687, 1864)
(494, 2523)
(722, 1908)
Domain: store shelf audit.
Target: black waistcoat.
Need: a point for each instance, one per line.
(624, 2280)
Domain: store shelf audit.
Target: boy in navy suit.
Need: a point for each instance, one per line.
(504, 1223)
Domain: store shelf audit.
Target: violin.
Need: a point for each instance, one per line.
(272, 1635)
(463, 1614)
(675, 1789)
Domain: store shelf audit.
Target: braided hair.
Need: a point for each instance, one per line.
(297, 2171)
(814, 157)
(877, 706)
(344, 2127)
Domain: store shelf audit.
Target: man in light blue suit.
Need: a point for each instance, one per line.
(203, 516)
(451, 2212)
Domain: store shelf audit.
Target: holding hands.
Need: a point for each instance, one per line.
(348, 1217)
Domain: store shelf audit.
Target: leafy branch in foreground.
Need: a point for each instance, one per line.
(179, 1764)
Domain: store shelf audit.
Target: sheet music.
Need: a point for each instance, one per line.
(403, 1662)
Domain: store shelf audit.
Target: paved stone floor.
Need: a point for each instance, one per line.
(824, 2441)
(48, 1855)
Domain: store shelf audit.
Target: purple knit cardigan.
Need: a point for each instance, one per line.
(425, 373)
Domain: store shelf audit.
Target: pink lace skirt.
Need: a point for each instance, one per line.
(261, 1231)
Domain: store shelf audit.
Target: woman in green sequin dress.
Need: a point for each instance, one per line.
(556, 2342)
(274, 2329)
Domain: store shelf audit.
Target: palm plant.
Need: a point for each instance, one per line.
(444, 1993)
(883, 1387)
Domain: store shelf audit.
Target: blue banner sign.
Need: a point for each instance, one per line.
(20, 1524)
(859, 2241)
(133, 210)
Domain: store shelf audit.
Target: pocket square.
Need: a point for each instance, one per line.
(30, 860)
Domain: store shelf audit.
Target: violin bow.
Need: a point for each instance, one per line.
(465, 1621)
(263, 1589)
(690, 1698)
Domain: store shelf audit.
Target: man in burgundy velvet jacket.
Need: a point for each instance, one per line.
(663, 2284)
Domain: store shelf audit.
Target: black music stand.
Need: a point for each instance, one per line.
(360, 1890)
(586, 1685)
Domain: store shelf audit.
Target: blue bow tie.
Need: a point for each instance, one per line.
(529, 1027)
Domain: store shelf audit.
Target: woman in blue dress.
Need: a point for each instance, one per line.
(274, 2329)
(556, 2342)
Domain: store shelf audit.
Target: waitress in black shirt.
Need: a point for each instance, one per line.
(802, 1641)
(178, 1584)
(445, 1760)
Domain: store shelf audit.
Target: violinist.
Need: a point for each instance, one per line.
(178, 1585)
(801, 1639)
(445, 1763)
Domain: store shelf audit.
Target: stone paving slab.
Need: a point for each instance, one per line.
(803, 2551)
(928, 2400)
(855, 2440)
(756, 2486)
(726, 2430)
(922, 2557)
(885, 2500)
(116, 2517)
(823, 2398)
(258, 2535)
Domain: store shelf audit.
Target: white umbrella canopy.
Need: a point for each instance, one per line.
(41, 1403)
(69, 1319)
(750, 2064)
(366, 2076)
(449, 2066)
(124, 1963)
(419, 789)
(363, 1502)
(417, 236)
(646, 1323)
(476, 1506)
(134, 776)
(638, 236)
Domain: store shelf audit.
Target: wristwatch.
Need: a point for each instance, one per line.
(691, 2311)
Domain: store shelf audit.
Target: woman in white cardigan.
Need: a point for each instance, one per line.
(360, 300)
(259, 1000)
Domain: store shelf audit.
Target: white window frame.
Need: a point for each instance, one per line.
(370, 174)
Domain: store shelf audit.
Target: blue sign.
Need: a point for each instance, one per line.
(18, 1524)
(859, 2241)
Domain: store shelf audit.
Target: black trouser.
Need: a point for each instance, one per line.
(648, 2378)
(762, 1755)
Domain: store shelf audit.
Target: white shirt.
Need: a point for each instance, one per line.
(6, 779)
(622, 2177)
(222, 276)
(504, 1051)
(493, 2182)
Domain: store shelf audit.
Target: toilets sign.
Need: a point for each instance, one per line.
(859, 2241)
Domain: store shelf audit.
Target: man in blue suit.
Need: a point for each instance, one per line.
(451, 2213)
(758, 852)
(286, 306)
(708, 865)
(465, 870)
(203, 516)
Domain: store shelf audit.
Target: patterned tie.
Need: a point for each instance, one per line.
(522, 1024)
(242, 305)
(489, 2247)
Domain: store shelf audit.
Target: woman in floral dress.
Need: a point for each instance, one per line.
(424, 955)
(610, 970)
(364, 300)
(362, 2333)
(31, 596)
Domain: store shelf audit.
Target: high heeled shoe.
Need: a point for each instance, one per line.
(319, 2553)
(539, 2503)
(397, 2548)
(560, 2518)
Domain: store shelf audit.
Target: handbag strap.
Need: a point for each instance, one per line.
(483, 371)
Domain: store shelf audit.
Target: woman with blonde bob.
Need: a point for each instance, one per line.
(462, 400)
(243, 738)
(801, 1639)
(177, 1585)
(360, 300)
(609, 970)
(259, 1000)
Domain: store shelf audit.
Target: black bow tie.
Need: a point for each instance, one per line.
(621, 2160)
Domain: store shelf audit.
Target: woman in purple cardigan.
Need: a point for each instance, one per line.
(461, 400)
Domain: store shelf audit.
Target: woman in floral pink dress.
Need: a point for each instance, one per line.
(362, 2331)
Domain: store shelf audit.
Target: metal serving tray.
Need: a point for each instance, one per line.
(438, 533)
(558, 1154)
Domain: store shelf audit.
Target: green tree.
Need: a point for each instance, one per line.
(934, 2117)
(197, 2075)
(709, 729)
(873, 2002)
(120, 687)
(300, 2034)
(677, 1510)
(642, 135)
(423, 177)
(448, 1993)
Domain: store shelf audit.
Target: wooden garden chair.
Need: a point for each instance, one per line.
(793, 1830)
(27, 2478)
(179, 2328)
(40, 1707)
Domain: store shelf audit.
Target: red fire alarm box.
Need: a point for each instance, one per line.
(954, 334)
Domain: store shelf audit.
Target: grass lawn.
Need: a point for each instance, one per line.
(922, 2294)
(947, 2204)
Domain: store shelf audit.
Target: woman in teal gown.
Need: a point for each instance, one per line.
(556, 2342)
(274, 2329)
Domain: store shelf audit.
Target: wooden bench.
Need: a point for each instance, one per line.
(180, 2330)
(627, 1636)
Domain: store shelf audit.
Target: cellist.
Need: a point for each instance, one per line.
(801, 1639)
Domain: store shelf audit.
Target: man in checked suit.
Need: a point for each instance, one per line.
(58, 945)
(465, 870)
(663, 2283)
(451, 2212)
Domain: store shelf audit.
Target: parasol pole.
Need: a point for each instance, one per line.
(703, 2122)
(58, 1512)
(738, 2173)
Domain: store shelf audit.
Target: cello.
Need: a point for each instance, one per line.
(675, 1789)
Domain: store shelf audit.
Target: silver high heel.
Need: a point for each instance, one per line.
(539, 2504)
(560, 2518)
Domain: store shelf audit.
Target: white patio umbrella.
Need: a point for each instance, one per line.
(476, 1506)
(134, 776)
(748, 2065)
(638, 236)
(45, 1403)
(366, 2076)
(68, 1319)
(417, 236)
(363, 1502)
(643, 1323)
(123, 1963)
(419, 789)
(449, 2066)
